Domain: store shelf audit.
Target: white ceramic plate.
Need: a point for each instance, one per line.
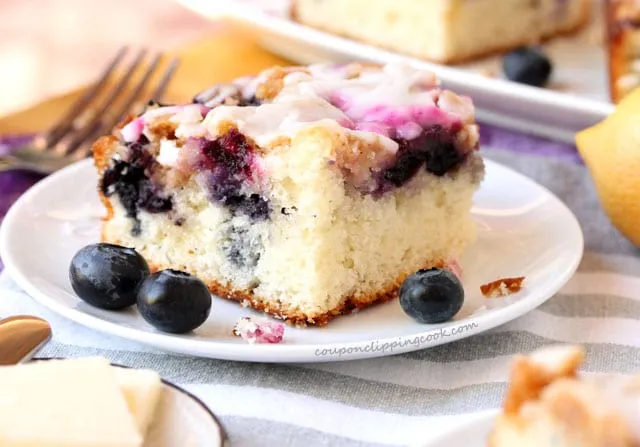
(471, 433)
(181, 420)
(577, 98)
(523, 231)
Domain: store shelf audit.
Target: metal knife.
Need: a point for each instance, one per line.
(21, 336)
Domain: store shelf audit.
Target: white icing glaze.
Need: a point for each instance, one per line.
(133, 130)
(395, 101)
(460, 106)
(285, 116)
(191, 113)
(216, 95)
(169, 153)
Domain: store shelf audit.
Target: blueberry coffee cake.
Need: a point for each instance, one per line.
(549, 404)
(445, 31)
(304, 192)
(623, 45)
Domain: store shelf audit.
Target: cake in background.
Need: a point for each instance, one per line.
(623, 29)
(444, 31)
(304, 192)
(549, 404)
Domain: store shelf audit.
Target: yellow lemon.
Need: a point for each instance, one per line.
(611, 151)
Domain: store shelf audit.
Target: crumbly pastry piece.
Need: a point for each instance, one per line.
(623, 41)
(305, 192)
(259, 331)
(548, 404)
(444, 31)
(502, 287)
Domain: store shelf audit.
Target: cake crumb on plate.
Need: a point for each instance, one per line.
(259, 331)
(502, 287)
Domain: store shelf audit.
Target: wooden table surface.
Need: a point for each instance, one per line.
(48, 47)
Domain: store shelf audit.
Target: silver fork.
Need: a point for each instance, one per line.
(69, 140)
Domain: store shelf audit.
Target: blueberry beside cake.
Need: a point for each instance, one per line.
(303, 192)
(444, 31)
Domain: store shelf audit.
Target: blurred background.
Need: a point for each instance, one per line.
(41, 55)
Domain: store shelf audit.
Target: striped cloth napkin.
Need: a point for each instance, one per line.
(406, 399)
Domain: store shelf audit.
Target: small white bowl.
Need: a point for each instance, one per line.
(181, 420)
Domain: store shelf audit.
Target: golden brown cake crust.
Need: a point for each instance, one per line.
(529, 378)
(293, 318)
(586, 13)
(102, 150)
(299, 319)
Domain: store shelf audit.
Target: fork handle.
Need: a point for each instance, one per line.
(10, 163)
(6, 164)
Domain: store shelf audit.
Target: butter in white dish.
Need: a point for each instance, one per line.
(142, 391)
(82, 402)
(64, 403)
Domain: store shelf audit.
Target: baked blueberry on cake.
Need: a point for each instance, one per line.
(304, 192)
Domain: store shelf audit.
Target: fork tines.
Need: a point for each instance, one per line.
(117, 93)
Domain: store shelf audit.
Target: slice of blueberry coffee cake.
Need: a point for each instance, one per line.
(445, 31)
(623, 45)
(304, 192)
(549, 402)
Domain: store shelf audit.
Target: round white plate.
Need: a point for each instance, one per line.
(471, 433)
(181, 419)
(523, 231)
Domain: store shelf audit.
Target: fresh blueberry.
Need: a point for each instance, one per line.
(174, 301)
(431, 296)
(107, 276)
(527, 65)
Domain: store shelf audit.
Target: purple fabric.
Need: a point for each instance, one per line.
(496, 137)
(13, 184)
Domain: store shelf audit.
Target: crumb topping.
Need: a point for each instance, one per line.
(395, 101)
(502, 287)
(164, 129)
(390, 120)
(269, 88)
(531, 374)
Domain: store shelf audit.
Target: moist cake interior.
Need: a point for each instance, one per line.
(304, 192)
